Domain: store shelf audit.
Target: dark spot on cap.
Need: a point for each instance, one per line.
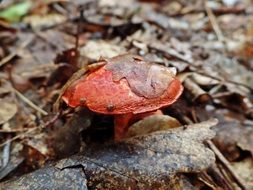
(110, 107)
(82, 101)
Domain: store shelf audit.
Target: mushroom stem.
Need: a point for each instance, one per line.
(121, 124)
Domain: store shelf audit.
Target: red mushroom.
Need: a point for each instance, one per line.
(127, 86)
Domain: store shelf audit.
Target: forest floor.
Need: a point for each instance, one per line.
(203, 141)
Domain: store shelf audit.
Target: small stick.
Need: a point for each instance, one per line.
(42, 126)
(12, 130)
(226, 164)
(18, 136)
(14, 53)
(31, 104)
(214, 23)
(78, 29)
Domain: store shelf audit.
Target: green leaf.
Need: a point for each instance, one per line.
(15, 12)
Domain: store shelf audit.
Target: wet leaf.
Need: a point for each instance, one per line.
(212, 54)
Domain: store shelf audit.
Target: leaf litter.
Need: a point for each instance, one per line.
(210, 46)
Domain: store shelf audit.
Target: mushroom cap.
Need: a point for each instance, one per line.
(126, 84)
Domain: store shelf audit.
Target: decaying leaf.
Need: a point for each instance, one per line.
(70, 132)
(230, 136)
(144, 162)
(67, 62)
(50, 178)
(221, 66)
(144, 78)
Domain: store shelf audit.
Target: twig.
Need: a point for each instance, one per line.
(14, 53)
(204, 177)
(41, 126)
(219, 177)
(214, 23)
(226, 164)
(12, 130)
(31, 104)
(18, 136)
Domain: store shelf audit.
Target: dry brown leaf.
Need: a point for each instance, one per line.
(151, 124)
(244, 169)
(230, 136)
(94, 50)
(38, 22)
(8, 109)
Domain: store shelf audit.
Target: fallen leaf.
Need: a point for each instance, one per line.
(151, 124)
(144, 78)
(219, 65)
(95, 50)
(154, 161)
(49, 178)
(70, 132)
(148, 161)
(39, 22)
(244, 169)
(8, 109)
(16, 11)
(231, 136)
(197, 93)
(67, 62)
